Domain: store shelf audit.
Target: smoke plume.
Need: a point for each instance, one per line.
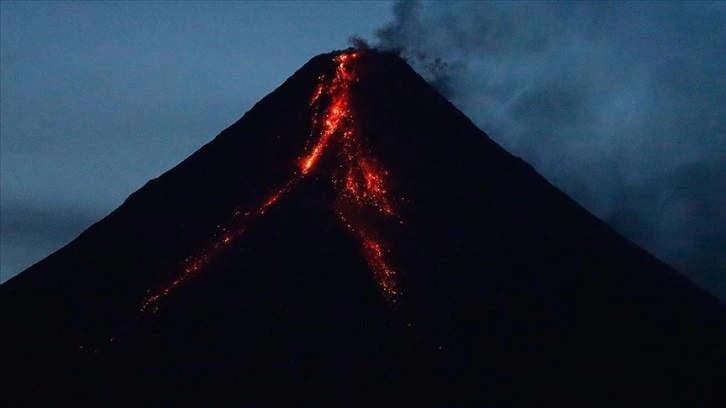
(621, 105)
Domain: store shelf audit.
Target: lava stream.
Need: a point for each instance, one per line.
(359, 183)
(226, 235)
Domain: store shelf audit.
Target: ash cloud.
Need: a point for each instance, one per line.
(621, 105)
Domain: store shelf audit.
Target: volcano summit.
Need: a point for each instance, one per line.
(355, 240)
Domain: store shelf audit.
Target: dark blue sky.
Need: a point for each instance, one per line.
(621, 105)
(99, 97)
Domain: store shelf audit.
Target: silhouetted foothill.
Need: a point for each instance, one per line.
(355, 240)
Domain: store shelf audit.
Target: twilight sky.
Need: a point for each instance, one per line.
(99, 97)
(622, 105)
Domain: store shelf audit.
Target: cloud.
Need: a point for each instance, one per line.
(621, 105)
(31, 231)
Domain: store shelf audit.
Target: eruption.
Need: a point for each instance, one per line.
(506, 276)
(359, 183)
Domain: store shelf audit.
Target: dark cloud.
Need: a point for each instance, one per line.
(621, 105)
(31, 231)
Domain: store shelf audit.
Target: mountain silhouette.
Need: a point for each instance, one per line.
(355, 240)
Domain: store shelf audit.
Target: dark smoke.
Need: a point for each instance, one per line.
(621, 105)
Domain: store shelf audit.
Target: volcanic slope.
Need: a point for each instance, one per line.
(355, 240)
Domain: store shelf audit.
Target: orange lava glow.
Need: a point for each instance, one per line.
(360, 184)
(336, 115)
(225, 236)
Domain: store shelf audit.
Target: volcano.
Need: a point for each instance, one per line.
(355, 240)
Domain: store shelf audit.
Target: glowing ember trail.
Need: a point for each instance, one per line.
(359, 182)
(223, 239)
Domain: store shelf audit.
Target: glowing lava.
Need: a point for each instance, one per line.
(226, 235)
(359, 182)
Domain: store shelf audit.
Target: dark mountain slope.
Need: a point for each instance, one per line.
(511, 293)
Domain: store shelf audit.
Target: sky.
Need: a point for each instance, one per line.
(97, 98)
(621, 105)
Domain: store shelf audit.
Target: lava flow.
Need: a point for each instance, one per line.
(226, 235)
(359, 183)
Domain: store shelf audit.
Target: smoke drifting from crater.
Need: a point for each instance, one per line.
(621, 105)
